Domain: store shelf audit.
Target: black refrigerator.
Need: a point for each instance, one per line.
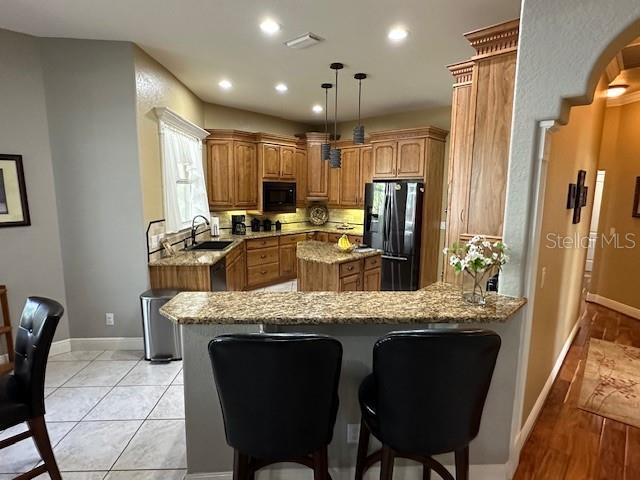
(392, 223)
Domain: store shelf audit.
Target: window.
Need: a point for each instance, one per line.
(185, 192)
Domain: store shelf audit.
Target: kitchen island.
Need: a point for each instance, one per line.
(357, 319)
(322, 267)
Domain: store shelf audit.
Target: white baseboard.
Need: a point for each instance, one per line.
(614, 305)
(61, 346)
(476, 472)
(537, 407)
(108, 343)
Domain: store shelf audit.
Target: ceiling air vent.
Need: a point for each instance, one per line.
(304, 41)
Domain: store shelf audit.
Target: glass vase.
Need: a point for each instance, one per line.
(474, 286)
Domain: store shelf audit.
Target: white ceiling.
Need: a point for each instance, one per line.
(203, 41)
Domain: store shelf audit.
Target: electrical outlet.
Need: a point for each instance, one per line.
(353, 432)
(543, 276)
(155, 241)
(110, 319)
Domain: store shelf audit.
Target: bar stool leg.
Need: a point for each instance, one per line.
(462, 463)
(426, 472)
(41, 438)
(386, 469)
(363, 449)
(320, 465)
(240, 466)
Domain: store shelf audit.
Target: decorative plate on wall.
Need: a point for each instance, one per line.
(318, 214)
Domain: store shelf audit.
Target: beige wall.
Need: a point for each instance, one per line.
(157, 87)
(620, 158)
(218, 116)
(574, 147)
(437, 117)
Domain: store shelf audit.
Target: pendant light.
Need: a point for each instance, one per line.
(326, 146)
(335, 155)
(358, 130)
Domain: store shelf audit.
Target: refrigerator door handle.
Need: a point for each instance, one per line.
(399, 259)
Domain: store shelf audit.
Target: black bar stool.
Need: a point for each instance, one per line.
(425, 397)
(22, 392)
(279, 398)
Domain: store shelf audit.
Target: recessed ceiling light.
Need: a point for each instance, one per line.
(270, 26)
(281, 87)
(616, 90)
(397, 34)
(225, 84)
(317, 108)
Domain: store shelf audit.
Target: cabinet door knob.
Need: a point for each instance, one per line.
(263, 256)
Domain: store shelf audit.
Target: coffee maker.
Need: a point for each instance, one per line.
(237, 225)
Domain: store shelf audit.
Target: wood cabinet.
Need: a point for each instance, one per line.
(317, 169)
(301, 177)
(371, 280)
(236, 269)
(350, 183)
(384, 159)
(245, 175)
(278, 162)
(220, 173)
(350, 283)
(410, 158)
(366, 170)
(351, 276)
(333, 197)
(482, 104)
(263, 261)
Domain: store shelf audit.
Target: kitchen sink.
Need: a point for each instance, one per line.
(211, 245)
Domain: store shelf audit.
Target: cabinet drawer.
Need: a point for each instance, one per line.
(263, 274)
(372, 262)
(262, 243)
(350, 268)
(333, 237)
(262, 256)
(357, 239)
(292, 239)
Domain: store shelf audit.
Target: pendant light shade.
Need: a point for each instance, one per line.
(325, 148)
(335, 155)
(358, 130)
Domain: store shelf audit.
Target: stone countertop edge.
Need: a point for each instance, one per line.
(328, 253)
(437, 303)
(201, 258)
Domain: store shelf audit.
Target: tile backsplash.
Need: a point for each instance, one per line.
(301, 216)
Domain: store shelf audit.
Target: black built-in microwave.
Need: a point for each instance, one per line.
(279, 197)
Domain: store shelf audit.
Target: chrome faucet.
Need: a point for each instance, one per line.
(194, 227)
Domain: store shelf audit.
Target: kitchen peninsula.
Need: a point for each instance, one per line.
(357, 319)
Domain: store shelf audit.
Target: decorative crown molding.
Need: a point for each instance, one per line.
(495, 40)
(171, 118)
(462, 73)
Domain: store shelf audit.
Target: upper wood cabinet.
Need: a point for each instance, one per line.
(410, 158)
(317, 169)
(277, 162)
(350, 183)
(384, 159)
(333, 197)
(220, 173)
(482, 105)
(366, 170)
(245, 175)
(301, 176)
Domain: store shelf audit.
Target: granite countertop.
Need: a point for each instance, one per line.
(195, 258)
(437, 303)
(313, 251)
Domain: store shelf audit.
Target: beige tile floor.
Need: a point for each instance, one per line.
(111, 416)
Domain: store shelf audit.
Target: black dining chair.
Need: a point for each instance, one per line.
(425, 397)
(279, 398)
(22, 392)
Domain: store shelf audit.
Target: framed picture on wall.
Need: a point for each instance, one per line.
(636, 199)
(14, 208)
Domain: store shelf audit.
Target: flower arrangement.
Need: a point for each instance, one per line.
(479, 258)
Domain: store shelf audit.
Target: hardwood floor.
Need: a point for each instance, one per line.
(567, 443)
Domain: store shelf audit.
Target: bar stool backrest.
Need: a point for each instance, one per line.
(278, 392)
(432, 386)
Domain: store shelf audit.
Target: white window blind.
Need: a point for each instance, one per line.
(185, 193)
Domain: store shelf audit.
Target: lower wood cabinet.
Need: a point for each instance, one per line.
(351, 283)
(371, 280)
(288, 251)
(236, 269)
